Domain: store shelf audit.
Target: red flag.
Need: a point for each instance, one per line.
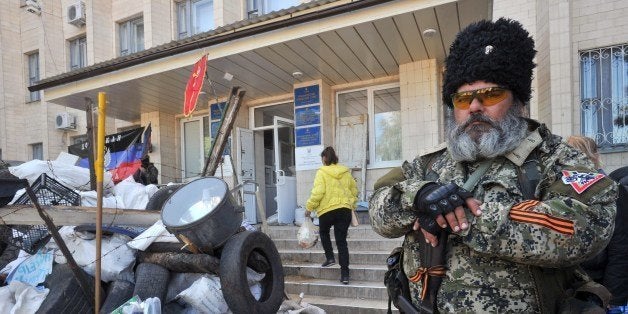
(193, 88)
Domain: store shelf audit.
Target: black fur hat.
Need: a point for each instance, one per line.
(499, 52)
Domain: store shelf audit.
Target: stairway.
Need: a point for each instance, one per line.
(365, 292)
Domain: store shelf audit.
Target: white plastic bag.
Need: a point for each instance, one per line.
(307, 234)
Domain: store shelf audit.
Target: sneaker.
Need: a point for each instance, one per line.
(328, 263)
(344, 279)
(344, 276)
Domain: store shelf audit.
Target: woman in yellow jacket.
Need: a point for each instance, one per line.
(333, 198)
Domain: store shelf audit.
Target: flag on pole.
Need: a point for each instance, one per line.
(193, 88)
(123, 152)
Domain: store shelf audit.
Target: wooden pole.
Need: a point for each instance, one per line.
(99, 165)
(226, 124)
(90, 141)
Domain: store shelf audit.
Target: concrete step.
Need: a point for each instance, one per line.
(356, 289)
(318, 257)
(381, 244)
(333, 305)
(290, 232)
(314, 270)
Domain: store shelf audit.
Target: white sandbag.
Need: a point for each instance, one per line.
(205, 296)
(116, 255)
(7, 300)
(133, 195)
(73, 177)
(90, 199)
(28, 299)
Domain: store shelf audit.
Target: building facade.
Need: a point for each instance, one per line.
(362, 76)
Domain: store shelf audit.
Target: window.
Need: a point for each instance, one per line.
(78, 53)
(197, 136)
(259, 7)
(33, 75)
(382, 104)
(38, 151)
(194, 16)
(131, 36)
(604, 96)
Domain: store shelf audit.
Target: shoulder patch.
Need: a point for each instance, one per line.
(580, 181)
(433, 149)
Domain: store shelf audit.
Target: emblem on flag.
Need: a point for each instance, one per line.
(580, 181)
(193, 88)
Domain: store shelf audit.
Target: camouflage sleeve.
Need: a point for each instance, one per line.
(390, 207)
(569, 223)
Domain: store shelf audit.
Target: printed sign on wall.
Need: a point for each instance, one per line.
(308, 95)
(307, 116)
(308, 127)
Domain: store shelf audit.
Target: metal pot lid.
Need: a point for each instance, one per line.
(193, 201)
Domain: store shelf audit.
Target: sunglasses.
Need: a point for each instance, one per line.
(488, 96)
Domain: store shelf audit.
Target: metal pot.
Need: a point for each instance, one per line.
(202, 212)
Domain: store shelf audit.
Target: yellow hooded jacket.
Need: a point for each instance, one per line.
(334, 188)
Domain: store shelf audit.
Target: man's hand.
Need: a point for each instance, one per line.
(307, 213)
(443, 205)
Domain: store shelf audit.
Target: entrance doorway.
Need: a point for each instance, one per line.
(273, 130)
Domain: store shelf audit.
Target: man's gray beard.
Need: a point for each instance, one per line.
(502, 137)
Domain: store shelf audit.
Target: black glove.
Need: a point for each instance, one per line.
(436, 199)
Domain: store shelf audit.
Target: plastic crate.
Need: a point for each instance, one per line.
(48, 191)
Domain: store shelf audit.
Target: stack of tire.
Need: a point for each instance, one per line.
(244, 249)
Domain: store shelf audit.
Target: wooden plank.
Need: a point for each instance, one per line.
(76, 215)
(391, 36)
(447, 17)
(377, 46)
(324, 52)
(331, 39)
(410, 33)
(427, 19)
(350, 140)
(351, 38)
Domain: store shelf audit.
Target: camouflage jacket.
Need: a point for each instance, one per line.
(490, 264)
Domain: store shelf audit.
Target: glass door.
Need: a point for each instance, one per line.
(286, 181)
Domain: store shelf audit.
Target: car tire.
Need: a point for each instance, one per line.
(151, 280)
(236, 255)
(157, 200)
(118, 293)
(66, 295)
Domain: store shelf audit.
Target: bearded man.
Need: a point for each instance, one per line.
(533, 207)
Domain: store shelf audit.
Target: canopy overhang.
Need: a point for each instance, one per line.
(338, 42)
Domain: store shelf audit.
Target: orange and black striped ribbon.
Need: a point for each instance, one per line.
(521, 213)
(424, 274)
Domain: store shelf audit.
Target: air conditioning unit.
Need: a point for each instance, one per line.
(76, 14)
(65, 121)
(33, 7)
